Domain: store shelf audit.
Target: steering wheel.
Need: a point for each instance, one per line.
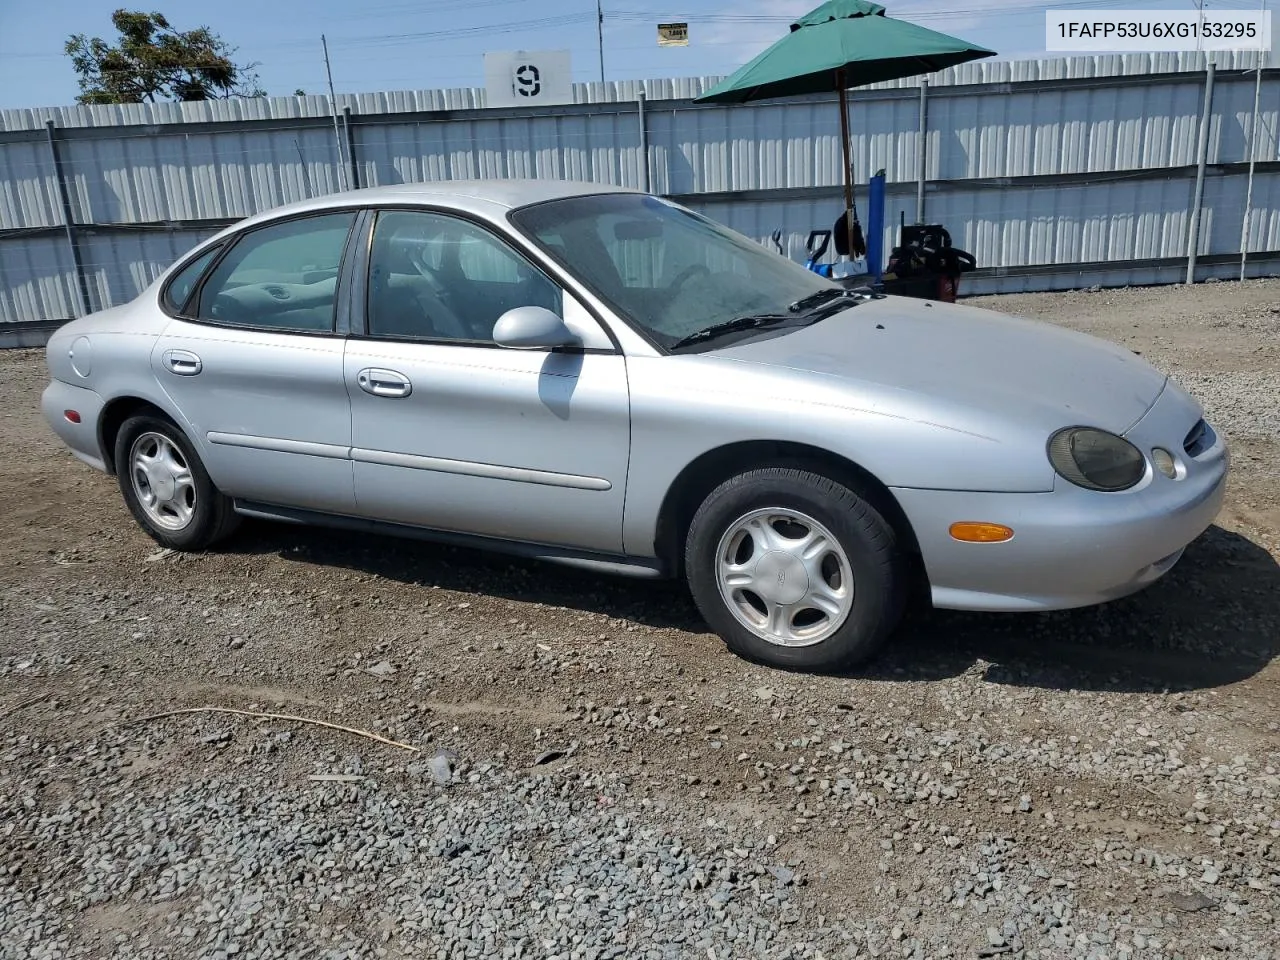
(684, 276)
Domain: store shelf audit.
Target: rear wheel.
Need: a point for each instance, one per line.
(166, 487)
(795, 570)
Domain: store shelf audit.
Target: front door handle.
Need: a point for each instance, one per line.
(384, 383)
(182, 362)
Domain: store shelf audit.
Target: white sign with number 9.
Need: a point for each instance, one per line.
(523, 78)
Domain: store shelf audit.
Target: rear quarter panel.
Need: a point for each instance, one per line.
(120, 342)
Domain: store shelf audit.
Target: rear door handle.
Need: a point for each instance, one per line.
(384, 383)
(182, 362)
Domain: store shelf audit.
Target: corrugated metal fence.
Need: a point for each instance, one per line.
(1054, 173)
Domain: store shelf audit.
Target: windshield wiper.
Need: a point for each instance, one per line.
(732, 326)
(819, 298)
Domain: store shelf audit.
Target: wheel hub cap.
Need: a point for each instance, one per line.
(780, 578)
(162, 481)
(784, 576)
(163, 484)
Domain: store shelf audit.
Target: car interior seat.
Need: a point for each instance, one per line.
(401, 301)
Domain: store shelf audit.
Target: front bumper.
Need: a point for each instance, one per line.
(82, 437)
(1074, 547)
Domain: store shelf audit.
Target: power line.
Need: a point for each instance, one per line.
(637, 17)
(479, 30)
(629, 20)
(949, 13)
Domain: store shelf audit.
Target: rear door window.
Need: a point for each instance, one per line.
(280, 277)
(180, 287)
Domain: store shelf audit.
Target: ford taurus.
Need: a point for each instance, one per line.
(601, 377)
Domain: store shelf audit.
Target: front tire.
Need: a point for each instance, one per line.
(795, 570)
(166, 487)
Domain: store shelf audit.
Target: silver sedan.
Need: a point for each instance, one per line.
(603, 378)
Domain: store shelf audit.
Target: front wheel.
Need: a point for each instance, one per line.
(166, 487)
(795, 570)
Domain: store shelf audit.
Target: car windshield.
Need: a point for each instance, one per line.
(666, 269)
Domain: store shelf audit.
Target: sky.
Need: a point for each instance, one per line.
(396, 45)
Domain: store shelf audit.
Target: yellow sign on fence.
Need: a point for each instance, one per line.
(673, 34)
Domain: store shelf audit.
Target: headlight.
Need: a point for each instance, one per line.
(1095, 459)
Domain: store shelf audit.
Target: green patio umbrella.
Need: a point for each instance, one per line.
(842, 44)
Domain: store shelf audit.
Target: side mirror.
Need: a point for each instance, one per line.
(526, 328)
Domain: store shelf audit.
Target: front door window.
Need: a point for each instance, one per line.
(440, 278)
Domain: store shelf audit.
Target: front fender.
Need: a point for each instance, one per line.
(685, 406)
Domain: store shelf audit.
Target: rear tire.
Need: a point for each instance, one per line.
(795, 570)
(167, 488)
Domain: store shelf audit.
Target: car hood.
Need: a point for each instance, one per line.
(972, 360)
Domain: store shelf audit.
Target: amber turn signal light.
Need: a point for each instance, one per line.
(976, 532)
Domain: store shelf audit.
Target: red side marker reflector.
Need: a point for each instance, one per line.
(71, 415)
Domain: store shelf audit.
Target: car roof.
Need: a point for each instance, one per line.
(508, 192)
(485, 197)
(488, 198)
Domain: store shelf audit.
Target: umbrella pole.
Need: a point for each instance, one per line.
(848, 166)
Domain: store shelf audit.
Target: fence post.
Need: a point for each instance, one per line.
(68, 223)
(644, 141)
(351, 148)
(922, 148)
(1253, 155)
(1202, 149)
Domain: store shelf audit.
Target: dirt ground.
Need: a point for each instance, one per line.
(1122, 760)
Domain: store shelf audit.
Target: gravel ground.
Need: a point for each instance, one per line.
(593, 775)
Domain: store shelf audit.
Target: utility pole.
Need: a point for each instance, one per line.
(600, 36)
(333, 111)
